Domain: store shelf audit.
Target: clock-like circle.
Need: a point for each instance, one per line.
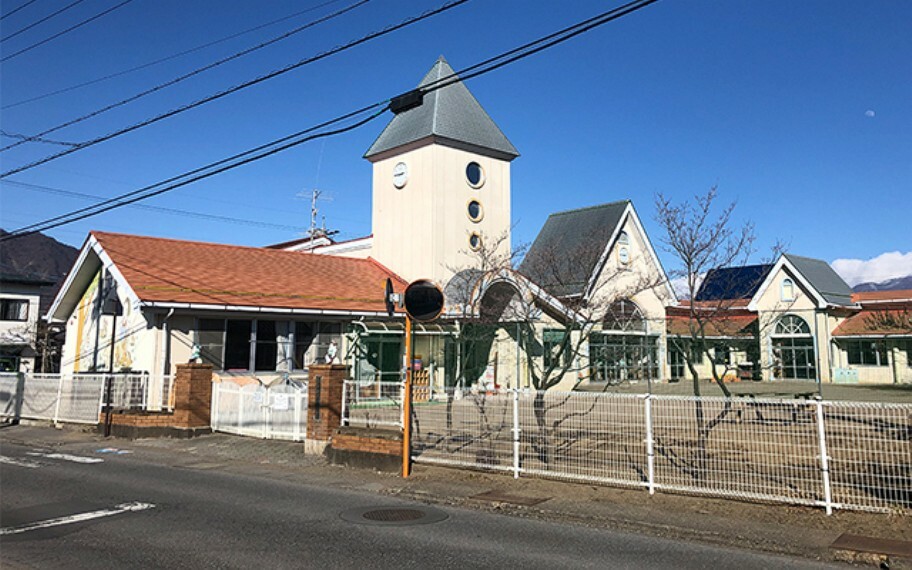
(400, 175)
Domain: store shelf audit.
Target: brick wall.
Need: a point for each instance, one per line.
(366, 444)
(324, 400)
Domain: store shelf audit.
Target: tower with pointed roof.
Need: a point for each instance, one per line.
(441, 183)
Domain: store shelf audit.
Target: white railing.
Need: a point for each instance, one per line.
(378, 404)
(79, 398)
(277, 412)
(836, 455)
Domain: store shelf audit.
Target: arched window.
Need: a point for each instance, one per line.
(624, 248)
(792, 325)
(788, 290)
(624, 315)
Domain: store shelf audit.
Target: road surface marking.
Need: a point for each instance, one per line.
(81, 517)
(19, 462)
(67, 457)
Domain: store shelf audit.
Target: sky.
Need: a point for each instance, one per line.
(800, 112)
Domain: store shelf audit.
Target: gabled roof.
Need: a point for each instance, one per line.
(890, 321)
(730, 283)
(168, 272)
(449, 115)
(823, 278)
(568, 248)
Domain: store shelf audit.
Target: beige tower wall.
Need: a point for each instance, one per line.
(422, 230)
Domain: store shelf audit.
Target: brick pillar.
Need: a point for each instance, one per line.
(324, 399)
(192, 395)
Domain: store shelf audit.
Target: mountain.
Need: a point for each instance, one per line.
(895, 284)
(37, 256)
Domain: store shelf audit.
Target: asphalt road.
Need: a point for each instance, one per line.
(206, 518)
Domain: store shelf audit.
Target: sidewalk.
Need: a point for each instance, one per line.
(791, 530)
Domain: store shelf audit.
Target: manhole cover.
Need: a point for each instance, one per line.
(394, 516)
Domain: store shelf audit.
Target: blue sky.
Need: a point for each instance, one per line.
(799, 111)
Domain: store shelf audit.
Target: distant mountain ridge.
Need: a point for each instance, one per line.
(37, 256)
(895, 284)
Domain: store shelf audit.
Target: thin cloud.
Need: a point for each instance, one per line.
(888, 265)
(869, 113)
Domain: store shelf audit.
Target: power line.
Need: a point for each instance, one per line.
(166, 58)
(14, 10)
(35, 139)
(389, 29)
(70, 29)
(476, 70)
(175, 211)
(195, 72)
(42, 20)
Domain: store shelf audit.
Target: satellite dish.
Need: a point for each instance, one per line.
(423, 300)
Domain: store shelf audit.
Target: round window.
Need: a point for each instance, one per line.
(474, 210)
(474, 175)
(475, 242)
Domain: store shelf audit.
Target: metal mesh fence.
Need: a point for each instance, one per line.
(870, 454)
(831, 454)
(374, 405)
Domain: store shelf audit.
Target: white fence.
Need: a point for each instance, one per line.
(277, 412)
(374, 405)
(837, 455)
(79, 398)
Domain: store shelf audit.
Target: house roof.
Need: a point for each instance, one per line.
(734, 323)
(894, 321)
(173, 271)
(568, 248)
(823, 278)
(450, 114)
(729, 283)
(865, 297)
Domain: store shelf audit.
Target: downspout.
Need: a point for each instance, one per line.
(166, 344)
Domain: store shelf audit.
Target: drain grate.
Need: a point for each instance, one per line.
(394, 516)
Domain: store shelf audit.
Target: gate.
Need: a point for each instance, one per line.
(254, 410)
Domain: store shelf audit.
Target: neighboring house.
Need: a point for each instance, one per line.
(20, 315)
(250, 310)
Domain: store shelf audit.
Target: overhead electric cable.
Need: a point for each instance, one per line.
(60, 33)
(45, 19)
(501, 60)
(14, 10)
(389, 29)
(166, 58)
(35, 139)
(195, 72)
(175, 211)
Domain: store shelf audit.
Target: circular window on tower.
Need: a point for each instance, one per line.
(475, 242)
(475, 175)
(475, 211)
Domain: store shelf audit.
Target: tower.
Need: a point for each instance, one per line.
(441, 184)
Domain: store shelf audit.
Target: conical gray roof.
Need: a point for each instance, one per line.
(451, 113)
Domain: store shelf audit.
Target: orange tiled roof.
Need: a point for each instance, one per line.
(862, 296)
(167, 270)
(725, 323)
(877, 322)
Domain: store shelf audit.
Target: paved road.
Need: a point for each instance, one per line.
(206, 518)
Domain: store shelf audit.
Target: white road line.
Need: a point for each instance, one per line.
(67, 457)
(118, 509)
(19, 462)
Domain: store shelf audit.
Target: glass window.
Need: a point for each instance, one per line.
(557, 348)
(621, 358)
(788, 290)
(265, 357)
(14, 309)
(792, 325)
(474, 174)
(237, 344)
(474, 210)
(867, 352)
(624, 315)
(210, 336)
(475, 242)
(304, 338)
(722, 354)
